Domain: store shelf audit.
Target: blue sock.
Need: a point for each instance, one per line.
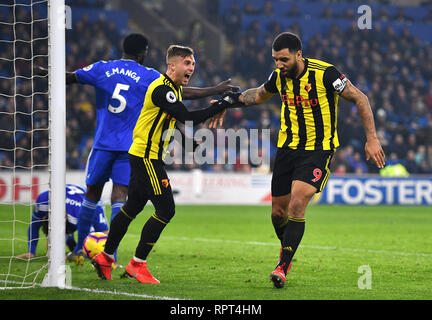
(115, 208)
(85, 221)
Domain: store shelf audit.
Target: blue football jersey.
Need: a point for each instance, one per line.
(120, 86)
(74, 197)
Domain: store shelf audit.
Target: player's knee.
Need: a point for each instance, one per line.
(166, 215)
(297, 207)
(165, 209)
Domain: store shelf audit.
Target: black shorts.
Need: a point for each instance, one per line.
(149, 181)
(309, 166)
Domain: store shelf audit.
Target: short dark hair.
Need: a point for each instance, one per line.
(175, 50)
(135, 44)
(287, 40)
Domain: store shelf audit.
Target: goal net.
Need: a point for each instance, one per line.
(32, 120)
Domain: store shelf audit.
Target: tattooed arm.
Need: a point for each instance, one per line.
(372, 147)
(248, 98)
(255, 96)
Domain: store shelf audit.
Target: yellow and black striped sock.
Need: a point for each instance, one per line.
(149, 236)
(293, 234)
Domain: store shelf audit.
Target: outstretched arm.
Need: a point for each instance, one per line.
(33, 236)
(255, 96)
(70, 76)
(247, 98)
(164, 98)
(190, 93)
(179, 111)
(372, 147)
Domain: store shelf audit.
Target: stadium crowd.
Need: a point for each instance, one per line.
(23, 98)
(394, 70)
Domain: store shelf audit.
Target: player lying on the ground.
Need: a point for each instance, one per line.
(74, 198)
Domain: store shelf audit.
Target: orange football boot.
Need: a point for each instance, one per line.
(103, 265)
(139, 271)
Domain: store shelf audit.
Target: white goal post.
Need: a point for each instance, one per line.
(57, 142)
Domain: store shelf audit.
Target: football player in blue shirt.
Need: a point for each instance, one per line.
(74, 198)
(120, 90)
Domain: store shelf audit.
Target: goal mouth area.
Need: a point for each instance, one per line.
(32, 138)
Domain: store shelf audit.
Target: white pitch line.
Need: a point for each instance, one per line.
(96, 291)
(256, 243)
(120, 293)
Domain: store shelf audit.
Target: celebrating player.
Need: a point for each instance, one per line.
(74, 198)
(149, 180)
(309, 90)
(121, 86)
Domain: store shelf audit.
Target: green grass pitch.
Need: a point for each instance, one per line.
(228, 252)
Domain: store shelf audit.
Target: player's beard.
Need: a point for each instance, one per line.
(292, 73)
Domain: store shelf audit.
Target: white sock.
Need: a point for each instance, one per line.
(138, 259)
